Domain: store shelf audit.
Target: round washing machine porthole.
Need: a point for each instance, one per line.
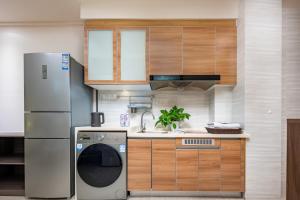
(99, 165)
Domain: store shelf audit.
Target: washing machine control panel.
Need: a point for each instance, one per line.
(107, 137)
(84, 138)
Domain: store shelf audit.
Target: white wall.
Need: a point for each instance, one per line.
(260, 66)
(220, 103)
(14, 42)
(37, 10)
(238, 95)
(158, 9)
(290, 73)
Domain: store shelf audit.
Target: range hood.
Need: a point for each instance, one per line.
(181, 81)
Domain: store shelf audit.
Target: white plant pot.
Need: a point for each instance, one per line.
(177, 127)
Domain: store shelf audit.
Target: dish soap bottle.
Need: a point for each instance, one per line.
(126, 120)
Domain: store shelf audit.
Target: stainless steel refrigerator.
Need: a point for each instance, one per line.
(56, 100)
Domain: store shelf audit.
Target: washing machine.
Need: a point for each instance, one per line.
(101, 165)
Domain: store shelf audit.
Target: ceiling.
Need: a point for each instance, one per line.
(12, 11)
(39, 10)
(159, 9)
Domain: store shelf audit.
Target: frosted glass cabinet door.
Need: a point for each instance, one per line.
(100, 55)
(133, 55)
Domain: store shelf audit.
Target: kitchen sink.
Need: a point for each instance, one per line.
(152, 132)
(190, 131)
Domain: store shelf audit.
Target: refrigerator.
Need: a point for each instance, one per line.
(56, 100)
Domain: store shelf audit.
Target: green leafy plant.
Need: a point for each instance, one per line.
(168, 118)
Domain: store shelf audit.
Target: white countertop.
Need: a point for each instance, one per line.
(11, 134)
(185, 135)
(189, 133)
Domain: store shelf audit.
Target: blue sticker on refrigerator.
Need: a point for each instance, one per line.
(65, 63)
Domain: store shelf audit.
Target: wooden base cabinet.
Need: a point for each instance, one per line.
(209, 170)
(171, 165)
(187, 170)
(232, 165)
(163, 165)
(198, 166)
(139, 164)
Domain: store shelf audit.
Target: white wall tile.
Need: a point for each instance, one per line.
(291, 73)
(257, 96)
(195, 102)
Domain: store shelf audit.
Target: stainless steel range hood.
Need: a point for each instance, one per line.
(181, 81)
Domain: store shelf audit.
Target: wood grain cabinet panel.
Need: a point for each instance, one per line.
(226, 54)
(209, 170)
(187, 176)
(172, 47)
(163, 164)
(231, 166)
(139, 164)
(198, 50)
(165, 49)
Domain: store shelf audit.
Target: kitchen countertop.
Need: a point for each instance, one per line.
(11, 134)
(185, 135)
(189, 133)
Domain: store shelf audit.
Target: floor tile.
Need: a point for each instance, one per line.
(140, 198)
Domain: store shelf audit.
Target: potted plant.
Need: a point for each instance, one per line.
(171, 119)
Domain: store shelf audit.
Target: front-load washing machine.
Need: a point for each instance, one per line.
(101, 165)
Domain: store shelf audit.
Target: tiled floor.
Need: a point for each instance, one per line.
(179, 198)
(141, 198)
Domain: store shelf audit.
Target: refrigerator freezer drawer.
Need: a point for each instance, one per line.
(47, 125)
(47, 168)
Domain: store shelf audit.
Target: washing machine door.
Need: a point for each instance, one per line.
(99, 165)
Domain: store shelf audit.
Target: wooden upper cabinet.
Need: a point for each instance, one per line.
(132, 55)
(139, 164)
(198, 50)
(165, 49)
(232, 167)
(116, 56)
(163, 164)
(100, 60)
(226, 54)
(128, 51)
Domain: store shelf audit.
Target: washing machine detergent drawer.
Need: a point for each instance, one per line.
(101, 171)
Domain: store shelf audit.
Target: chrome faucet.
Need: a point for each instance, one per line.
(143, 125)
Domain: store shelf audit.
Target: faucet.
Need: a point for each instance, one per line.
(143, 125)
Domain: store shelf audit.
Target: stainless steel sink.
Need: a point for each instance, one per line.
(152, 132)
(179, 132)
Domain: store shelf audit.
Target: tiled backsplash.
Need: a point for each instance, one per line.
(196, 102)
